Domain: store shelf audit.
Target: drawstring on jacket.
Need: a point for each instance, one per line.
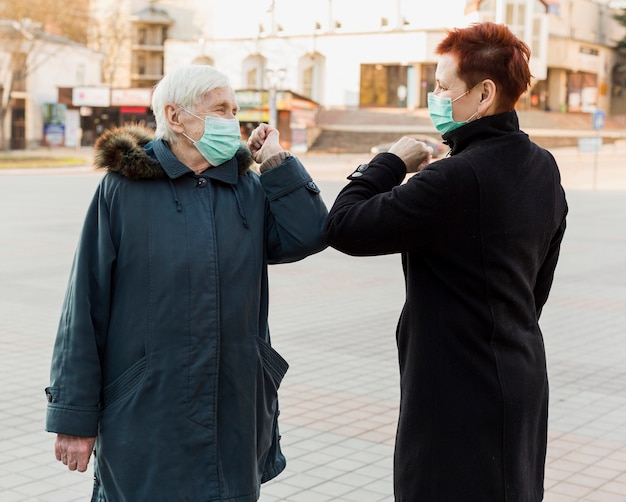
(179, 206)
(240, 207)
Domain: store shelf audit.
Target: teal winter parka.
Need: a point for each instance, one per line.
(163, 350)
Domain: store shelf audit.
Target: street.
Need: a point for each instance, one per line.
(333, 318)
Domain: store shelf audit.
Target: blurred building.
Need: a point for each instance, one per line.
(336, 54)
(34, 65)
(348, 53)
(344, 53)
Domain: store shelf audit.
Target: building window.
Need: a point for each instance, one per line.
(252, 77)
(19, 76)
(311, 75)
(307, 82)
(515, 17)
(554, 7)
(141, 64)
(142, 36)
(384, 85)
(253, 71)
(536, 40)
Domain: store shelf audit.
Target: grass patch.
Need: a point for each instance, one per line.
(26, 161)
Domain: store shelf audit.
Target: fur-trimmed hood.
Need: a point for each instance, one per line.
(121, 150)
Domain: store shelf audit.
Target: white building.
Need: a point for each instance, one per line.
(344, 53)
(337, 53)
(45, 64)
(572, 42)
(58, 64)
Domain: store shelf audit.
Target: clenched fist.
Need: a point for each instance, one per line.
(415, 154)
(263, 143)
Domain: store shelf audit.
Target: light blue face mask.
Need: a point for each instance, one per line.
(440, 111)
(220, 140)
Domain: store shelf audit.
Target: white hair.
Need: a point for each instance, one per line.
(185, 86)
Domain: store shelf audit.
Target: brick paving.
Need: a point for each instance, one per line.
(333, 318)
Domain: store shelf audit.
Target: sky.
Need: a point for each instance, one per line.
(300, 16)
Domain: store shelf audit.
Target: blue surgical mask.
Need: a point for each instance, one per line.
(220, 141)
(440, 110)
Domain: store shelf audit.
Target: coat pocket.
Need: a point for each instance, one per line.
(269, 456)
(123, 385)
(274, 366)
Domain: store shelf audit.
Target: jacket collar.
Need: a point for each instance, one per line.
(483, 128)
(133, 152)
(227, 172)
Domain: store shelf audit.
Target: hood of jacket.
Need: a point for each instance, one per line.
(126, 150)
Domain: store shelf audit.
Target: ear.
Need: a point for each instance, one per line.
(488, 101)
(172, 115)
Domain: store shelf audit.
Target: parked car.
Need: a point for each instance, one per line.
(439, 149)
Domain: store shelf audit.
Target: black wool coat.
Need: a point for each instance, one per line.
(479, 233)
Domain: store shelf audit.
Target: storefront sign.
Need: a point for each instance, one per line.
(131, 97)
(91, 96)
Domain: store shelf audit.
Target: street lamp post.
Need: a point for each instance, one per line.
(272, 76)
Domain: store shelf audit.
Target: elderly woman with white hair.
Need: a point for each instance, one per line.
(163, 366)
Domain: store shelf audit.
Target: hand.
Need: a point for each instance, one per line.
(263, 143)
(415, 154)
(74, 451)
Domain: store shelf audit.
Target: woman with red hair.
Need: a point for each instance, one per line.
(479, 233)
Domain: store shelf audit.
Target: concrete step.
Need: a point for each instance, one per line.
(334, 141)
(355, 130)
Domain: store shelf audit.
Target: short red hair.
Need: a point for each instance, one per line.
(490, 50)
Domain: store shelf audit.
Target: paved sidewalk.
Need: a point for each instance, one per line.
(333, 317)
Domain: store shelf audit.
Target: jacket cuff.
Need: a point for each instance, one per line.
(394, 169)
(72, 420)
(274, 160)
(69, 419)
(287, 177)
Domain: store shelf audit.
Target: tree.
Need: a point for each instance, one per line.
(66, 18)
(22, 26)
(109, 34)
(619, 70)
(17, 43)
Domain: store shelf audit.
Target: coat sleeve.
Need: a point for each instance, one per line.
(296, 213)
(545, 276)
(377, 214)
(75, 374)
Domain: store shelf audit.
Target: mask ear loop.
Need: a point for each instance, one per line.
(192, 141)
(476, 115)
(459, 97)
(193, 114)
(473, 116)
(189, 112)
